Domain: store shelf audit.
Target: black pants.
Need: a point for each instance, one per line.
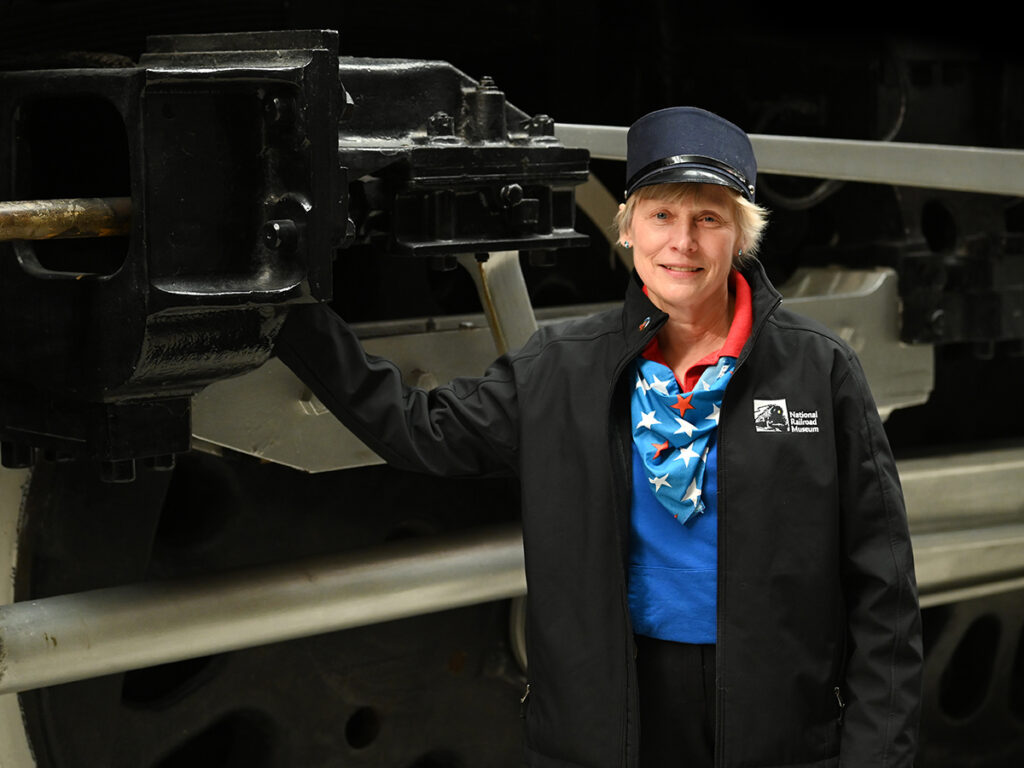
(676, 683)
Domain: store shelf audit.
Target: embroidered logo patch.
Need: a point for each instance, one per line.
(775, 416)
(771, 416)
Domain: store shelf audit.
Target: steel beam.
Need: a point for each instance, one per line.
(502, 290)
(73, 637)
(939, 491)
(962, 564)
(960, 555)
(934, 166)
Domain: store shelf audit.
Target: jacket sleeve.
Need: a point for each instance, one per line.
(465, 428)
(883, 673)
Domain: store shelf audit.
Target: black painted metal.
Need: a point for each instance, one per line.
(236, 150)
(103, 344)
(442, 164)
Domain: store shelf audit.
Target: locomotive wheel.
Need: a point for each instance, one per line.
(973, 708)
(14, 747)
(434, 691)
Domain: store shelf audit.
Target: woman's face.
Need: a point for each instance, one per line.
(683, 249)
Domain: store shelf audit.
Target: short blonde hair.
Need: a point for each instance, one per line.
(751, 219)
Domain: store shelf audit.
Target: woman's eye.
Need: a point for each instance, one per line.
(661, 215)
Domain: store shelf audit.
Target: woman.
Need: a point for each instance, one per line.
(716, 547)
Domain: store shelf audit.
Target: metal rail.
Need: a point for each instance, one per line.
(72, 637)
(935, 166)
(959, 555)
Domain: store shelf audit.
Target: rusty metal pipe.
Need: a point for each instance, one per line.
(54, 219)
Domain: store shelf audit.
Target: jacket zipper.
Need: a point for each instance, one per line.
(719, 757)
(651, 331)
(615, 429)
(842, 704)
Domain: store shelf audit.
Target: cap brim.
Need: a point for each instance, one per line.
(692, 174)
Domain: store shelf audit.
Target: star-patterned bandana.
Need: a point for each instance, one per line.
(672, 431)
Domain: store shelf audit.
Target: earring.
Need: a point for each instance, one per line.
(739, 252)
(625, 243)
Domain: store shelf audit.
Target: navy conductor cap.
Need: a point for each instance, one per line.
(692, 145)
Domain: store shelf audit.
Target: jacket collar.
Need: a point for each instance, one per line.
(765, 300)
(641, 319)
(762, 293)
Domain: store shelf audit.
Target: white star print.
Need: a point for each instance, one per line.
(648, 421)
(706, 386)
(686, 453)
(692, 493)
(713, 416)
(684, 426)
(659, 386)
(724, 371)
(659, 482)
(641, 384)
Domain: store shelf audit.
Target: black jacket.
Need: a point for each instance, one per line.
(819, 648)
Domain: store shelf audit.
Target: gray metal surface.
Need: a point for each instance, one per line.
(272, 415)
(967, 519)
(72, 637)
(502, 290)
(935, 166)
(990, 483)
(964, 564)
(862, 306)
